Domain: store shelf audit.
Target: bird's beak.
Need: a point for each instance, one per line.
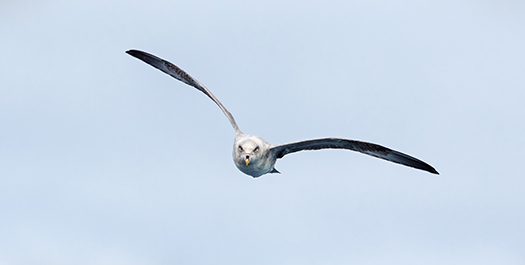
(247, 161)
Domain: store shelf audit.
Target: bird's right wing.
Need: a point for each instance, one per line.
(366, 148)
(180, 75)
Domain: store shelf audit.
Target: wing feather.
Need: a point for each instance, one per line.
(363, 147)
(180, 75)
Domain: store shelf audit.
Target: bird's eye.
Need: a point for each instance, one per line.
(256, 149)
(240, 148)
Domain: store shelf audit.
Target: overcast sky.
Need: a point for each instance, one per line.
(105, 160)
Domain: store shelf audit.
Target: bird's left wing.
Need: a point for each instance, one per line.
(366, 148)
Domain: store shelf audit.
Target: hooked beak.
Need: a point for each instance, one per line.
(247, 160)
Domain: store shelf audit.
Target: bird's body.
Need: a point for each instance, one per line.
(254, 156)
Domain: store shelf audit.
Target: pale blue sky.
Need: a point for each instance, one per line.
(105, 160)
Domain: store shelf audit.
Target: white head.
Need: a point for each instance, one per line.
(250, 155)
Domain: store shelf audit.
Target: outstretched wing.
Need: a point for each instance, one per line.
(180, 75)
(363, 147)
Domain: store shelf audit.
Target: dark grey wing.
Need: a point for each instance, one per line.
(180, 75)
(366, 148)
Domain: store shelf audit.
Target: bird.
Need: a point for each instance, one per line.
(256, 157)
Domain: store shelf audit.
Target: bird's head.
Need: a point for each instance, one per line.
(247, 151)
(251, 155)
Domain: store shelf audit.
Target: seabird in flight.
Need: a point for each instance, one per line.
(256, 157)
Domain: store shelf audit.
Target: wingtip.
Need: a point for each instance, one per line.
(148, 58)
(132, 52)
(433, 171)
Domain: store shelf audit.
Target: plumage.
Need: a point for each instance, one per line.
(256, 157)
(363, 147)
(180, 75)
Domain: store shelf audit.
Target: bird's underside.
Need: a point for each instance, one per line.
(254, 156)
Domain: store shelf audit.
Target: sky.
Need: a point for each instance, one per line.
(105, 160)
